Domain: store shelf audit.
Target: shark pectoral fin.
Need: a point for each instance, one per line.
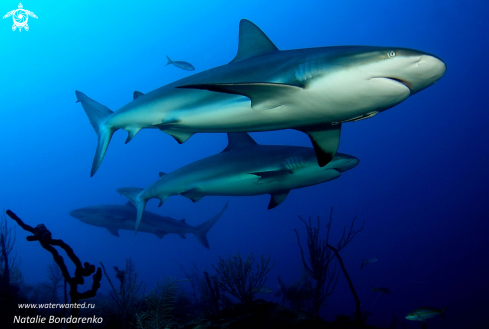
(263, 96)
(271, 176)
(326, 140)
(277, 198)
(192, 194)
(113, 231)
(160, 234)
(179, 135)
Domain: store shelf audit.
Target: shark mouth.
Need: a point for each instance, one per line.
(405, 83)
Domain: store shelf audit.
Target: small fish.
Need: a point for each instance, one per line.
(381, 290)
(180, 64)
(367, 261)
(424, 312)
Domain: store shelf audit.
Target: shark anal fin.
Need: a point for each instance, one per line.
(263, 96)
(113, 231)
(136, 94)
(272, 176)
(326, 140)
(277, 198)
(252, 41)
(192, 194)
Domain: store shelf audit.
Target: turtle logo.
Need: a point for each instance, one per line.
(20, 16)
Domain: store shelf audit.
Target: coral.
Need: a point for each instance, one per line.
(43, 235)
(321, 266)
(125, 296)
(238, 278)
(160, 303)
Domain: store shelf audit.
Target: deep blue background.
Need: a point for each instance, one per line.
(421, 186)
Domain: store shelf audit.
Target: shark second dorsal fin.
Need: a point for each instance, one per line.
(238, 140)
(252, 41)
(136, 94)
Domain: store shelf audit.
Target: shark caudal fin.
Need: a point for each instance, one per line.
(134, 195)
(202, 229)
(98, 115)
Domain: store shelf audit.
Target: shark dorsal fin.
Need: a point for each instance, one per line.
(252, 41)
(136, 94)
(130, 204)
(238, 140)
(161, 174)
(183, 221)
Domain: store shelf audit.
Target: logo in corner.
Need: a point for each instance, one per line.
(20, 17)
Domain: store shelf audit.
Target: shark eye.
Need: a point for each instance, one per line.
(391, 54)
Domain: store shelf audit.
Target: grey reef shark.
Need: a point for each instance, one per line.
(313, 90)
(123, 217)
(243, 168)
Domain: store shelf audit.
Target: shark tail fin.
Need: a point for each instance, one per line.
(98, 115)
(134, 195)
(169, 60)
(202, 229)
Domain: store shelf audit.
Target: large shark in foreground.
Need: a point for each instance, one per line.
(123, 217)
(243, 168)
(263, 88)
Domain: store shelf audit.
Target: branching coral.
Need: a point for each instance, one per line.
(238, 277)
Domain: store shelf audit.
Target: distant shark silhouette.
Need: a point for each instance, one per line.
(123, 217)
(311, 90)
(243, 168)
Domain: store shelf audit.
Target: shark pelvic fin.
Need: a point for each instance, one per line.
(277, 198)
(272, 176)
(136, 94)
(180, 136)
(239, 140)
(263, 95)
(98, 115)
(160, 234)
(191, 194)
(202, 229)
(326, 140)
(113, 231)
(131, 132)
(252, 42)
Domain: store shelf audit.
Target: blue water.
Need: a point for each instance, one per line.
(421, 185)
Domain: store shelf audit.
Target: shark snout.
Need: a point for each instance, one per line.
(427, 70)
(345, 162)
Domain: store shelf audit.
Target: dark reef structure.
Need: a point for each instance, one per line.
(43, 235)
(238, 277)
(321, 267)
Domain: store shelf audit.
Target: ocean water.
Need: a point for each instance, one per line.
(421, 186)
